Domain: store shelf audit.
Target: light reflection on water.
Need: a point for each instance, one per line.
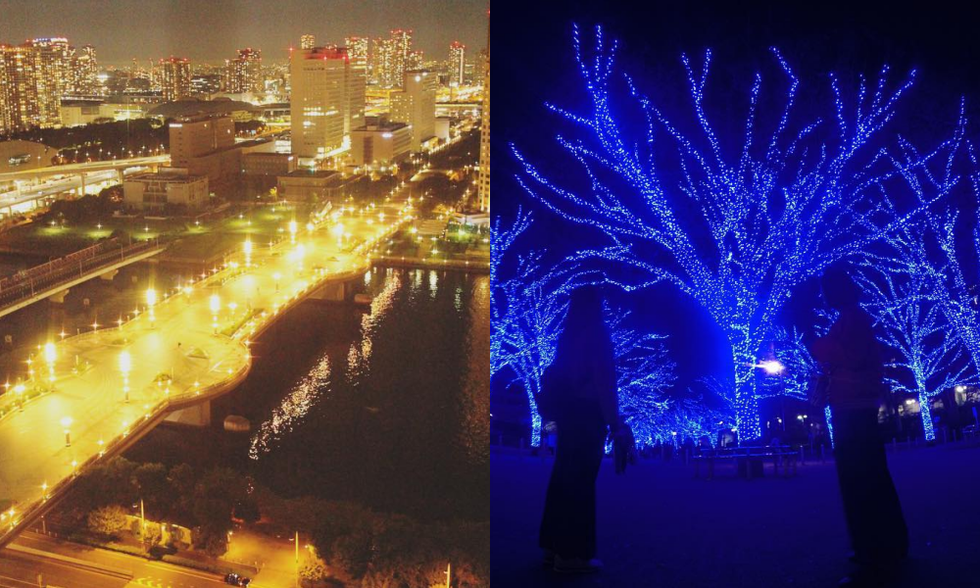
(304, 395)
(401, 408)
(292, 410)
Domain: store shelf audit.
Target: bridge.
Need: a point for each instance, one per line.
(87, 167)
(65, 178)
(92, 395)
(54, 279)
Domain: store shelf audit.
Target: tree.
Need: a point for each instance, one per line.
(107, 521)
(351, 553)
(215, 497)
(735, 229)
(528, 309)
(181, 479)
(929, 356)
(644, 373)
(152, 486)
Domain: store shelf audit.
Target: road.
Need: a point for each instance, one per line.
(74, 168)
(177, 354)
(70, 565)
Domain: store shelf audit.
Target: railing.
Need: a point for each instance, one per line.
(40, 278)
(471, 265)
(28, 512)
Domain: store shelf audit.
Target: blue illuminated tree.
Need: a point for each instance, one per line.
(909, 314)
(644, 374)
(529, 306)
(734, 229)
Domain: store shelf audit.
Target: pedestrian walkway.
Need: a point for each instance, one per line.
(660, 527)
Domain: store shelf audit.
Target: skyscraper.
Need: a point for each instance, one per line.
(457, 62)
(175, 78)
(401, 48)
(86, 69)
(19, 106)
(53, 76)
(484, 181)
(357, 49)
(327, 97)
(307, 42)
(379, 62)
(415, 104)
(245, 71)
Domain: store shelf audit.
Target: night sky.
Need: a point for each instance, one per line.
(212, 30)
(536, 65)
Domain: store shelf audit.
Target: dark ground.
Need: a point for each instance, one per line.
(661, 527)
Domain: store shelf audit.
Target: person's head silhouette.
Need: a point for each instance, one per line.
(839, 289)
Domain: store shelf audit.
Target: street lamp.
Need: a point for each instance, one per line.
(151, 300)
(49, 356)
(771, 367)
(125, 365)
(66, 425)
(248, 252)
(215, 307)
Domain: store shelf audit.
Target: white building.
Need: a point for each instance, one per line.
(167, 187)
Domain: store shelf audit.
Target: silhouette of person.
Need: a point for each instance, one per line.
(580, 392)
(850, 357)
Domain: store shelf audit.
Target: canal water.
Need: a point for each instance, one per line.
(386, 406)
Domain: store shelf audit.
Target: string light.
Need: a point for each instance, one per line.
(901, 296)
(774, 212)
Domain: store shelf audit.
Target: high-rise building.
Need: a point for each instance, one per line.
(307, 42)
(86, 70)
(175, 78)
(53, 76)
(355, 85)
(327, 98)
(357, 49)
(245, 72)
(193, 137)
(401, 47)
(19, 105)
(457, 63)
(484, 180)
(379, 62)
(415, 105)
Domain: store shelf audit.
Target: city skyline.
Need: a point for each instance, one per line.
(157, 32)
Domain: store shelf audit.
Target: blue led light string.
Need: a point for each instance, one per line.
(830, 186)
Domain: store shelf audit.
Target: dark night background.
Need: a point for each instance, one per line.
(816, 38)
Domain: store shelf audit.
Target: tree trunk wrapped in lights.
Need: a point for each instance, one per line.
(529, 306)
(911, 322)
(735, 229)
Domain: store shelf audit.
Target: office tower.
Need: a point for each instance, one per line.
(484, 181)
(327, 95)
(307, 42)
(53, 76)
(245, 72)
(379, 61)
(86, 69)
(357, 49)
(457, 62)
(19, 105)
(400, 59)
(415, 105)
(175, 78)
(195, 136)
(355, 83)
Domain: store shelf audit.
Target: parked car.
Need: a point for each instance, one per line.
(236, 580)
